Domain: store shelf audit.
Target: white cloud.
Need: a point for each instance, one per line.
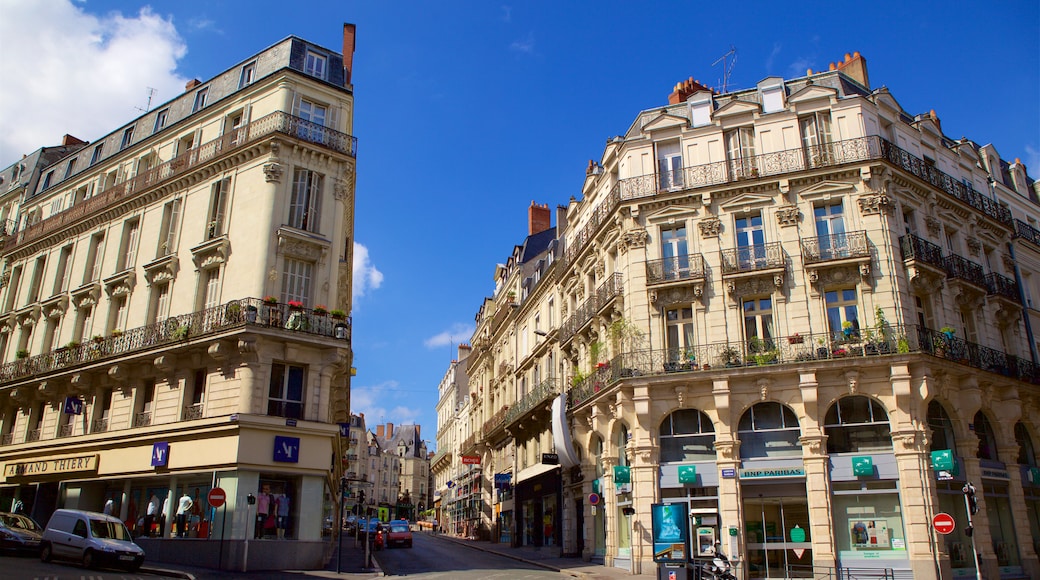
(798, 67)
(458, 333)
(370, 400)
(366, 276)
(772, 56)
(524, 45)
(507, 13)
(68, 71)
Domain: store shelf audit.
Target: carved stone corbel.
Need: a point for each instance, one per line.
(273, 172)
(852, 378)
(710, 227)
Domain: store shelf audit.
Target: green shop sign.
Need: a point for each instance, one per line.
(622, 474)
(863, 466)
(687, 474)
(942, 460)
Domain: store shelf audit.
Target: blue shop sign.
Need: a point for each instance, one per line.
(286, 449)
(73, 406)
(160, 453)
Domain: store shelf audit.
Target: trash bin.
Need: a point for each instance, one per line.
(674, 572)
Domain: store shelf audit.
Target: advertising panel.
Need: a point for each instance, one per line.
(671, 532)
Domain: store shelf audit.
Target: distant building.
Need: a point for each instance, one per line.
(407, 444)
(175, 307)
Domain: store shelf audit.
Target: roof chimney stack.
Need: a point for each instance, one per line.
(539, 218)
(192, 84)
(855, 66)
(389, 430)
(349, 30)
(69, 140)
(379, 431)
(683, 90)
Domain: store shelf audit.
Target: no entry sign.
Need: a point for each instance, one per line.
(943, 523)
(216, 497)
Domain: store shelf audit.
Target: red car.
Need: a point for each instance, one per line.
(400, 534)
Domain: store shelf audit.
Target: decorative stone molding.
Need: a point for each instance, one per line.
(1009, 262)
(56, 307)
(852, 378)
(211, 253)
(634, 239)
(923, 281)
(291, 243)
(121, 284)
(763, 387)
(1007, 315)
(933, 225)
(974, 246)
(710, 227)
(162, 270)
(680, 393)
(692, 292)
(740, 287)
(824, 275)
(273, 172)
(86, 295)
(875, 204)
(788, 215)
(814, 444)
(727, 450)
(906, 440)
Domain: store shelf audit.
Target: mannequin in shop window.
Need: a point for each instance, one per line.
(183, 509)
(196, 514)
(282, 503)
(110, 505)
(149, 514)
(263, 510)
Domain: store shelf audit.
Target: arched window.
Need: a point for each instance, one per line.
(987, 440)
(941, 428)
(622, 443)
(769, 430)
(687, 435)
(857, 424)
(1026, 451)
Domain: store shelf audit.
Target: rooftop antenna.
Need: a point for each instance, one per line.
(148, 107)
(727, 66)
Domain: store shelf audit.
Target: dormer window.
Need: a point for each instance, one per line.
(200, 100)
(128, 137)
(314, 64)
(248, 75)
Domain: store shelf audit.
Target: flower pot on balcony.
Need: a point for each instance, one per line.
(342, 332)
(251, 314)
(795, 339)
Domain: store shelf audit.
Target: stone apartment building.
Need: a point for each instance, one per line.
(798, 311)
(175, 310)
(406, 443)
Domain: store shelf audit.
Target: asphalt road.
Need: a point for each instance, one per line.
(432, 558)
(31, 568)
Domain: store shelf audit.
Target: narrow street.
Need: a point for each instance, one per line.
(432, 557)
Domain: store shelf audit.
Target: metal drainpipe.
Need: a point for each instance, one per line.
(1018, 280)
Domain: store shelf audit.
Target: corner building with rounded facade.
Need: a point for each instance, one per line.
(798, 310)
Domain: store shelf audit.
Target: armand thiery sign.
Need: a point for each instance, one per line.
(66, 464)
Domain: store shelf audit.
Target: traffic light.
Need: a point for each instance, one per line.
(969, 494)
(421, 506)
(361, 496)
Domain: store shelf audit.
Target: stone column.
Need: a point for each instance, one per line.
(610, 509)
(818, 492)
(920, 500)
(731, 508)
(170, 510)
(588, 473)
(966, 449)
(1017, 499)
(644, 494)
(124, 502)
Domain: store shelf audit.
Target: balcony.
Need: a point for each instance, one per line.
(1027, 232)
(959, 268)
(244, 313)
(274, 123)
(193, 412)
(65, 430)
(849, 347)
(544, 391)
(753, 259)
(33, 435)
(142, 419)
(833, 247)
(99, 426)
(1002, 286)
(675, 269)
(496, 422)
(603, 297)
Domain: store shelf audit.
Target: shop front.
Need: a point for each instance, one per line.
(778, 537)
(867, 513)
(537, 495)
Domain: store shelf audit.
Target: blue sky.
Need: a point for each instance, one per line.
(468, 111)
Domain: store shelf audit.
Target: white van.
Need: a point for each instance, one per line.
(91, 538)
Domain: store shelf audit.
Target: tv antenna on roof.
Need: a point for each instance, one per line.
(148, 107)
(727, 66)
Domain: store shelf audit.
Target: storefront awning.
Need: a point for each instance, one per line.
(534, 471)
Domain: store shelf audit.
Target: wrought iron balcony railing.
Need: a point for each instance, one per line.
(753, 258)
(921, 250)
(193, 412)
(544, 391)
(835, 247)
(606, 292)
(800, 349)
(964, 269)
(263, 127)
(65, 430)
(142, 419)
(788, 161)
(496, 421)
(1027, 232)
(1000, 285)
(33, 435)
(676, 268)
(249, 312)
(99, 426)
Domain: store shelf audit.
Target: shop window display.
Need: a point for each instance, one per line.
(870, 516)
(1001, 524)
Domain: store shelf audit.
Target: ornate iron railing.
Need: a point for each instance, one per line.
(752, 258)
(7, 439)
(496, 421)
(250, 312)
(1001, 285)
(468, 444)
(791, 160)
(193, 412)
(143, 419)
(964, 269)
(606, 292)
(99, 426)
(277, 122)
(800, 349)
(65, 430)
(835, 247)
(676, 268)
(33, 435)
(1028, 232)
(544, 391)
(921, 250)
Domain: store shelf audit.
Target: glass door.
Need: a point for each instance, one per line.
(669, 166)
(778, 540)
(830, 231)
(751, 240)
(675, 253)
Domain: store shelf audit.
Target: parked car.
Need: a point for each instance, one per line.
(400, 534)
(350, 523)
(90, 538)
(19, 533)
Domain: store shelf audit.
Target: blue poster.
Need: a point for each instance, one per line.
(671, 531)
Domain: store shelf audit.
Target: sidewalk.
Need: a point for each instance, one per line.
(546, 558)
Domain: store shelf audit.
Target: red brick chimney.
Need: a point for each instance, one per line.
(539, 218)
(349, 30)
(855, 66)
(683, 90)
(69, 140)
(192, 84)
(389, 430)
(379, 430)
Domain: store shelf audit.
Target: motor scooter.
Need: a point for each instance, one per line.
(719, 568)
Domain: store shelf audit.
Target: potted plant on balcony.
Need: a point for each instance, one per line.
(295, 305)
(730, 356)
(98, 339)
(250, 313)
(22, 353)
(321, 310)
(948, 332)
(338, 314)
(846, 329)
(795, 339)
(270, 300)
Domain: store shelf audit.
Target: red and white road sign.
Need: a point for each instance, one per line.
(216, 497)
(943, 523)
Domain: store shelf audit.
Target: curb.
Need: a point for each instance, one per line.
(476, 546)
(170, 573)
